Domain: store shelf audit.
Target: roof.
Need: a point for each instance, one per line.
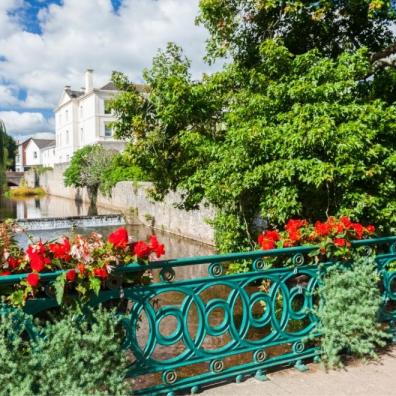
(74, 94)
(44, 143)
(110, 87)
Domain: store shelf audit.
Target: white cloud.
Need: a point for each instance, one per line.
(7, 96)
(88, 34)
(25, 123)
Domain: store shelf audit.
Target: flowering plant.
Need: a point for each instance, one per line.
(333, 236)
(88, 262)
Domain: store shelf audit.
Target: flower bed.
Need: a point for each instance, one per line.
(88, 263)
(332, 237)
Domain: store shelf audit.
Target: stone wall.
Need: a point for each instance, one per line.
(131, 199)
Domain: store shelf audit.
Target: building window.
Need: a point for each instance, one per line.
(108, 129)
(35, 154)
(82, 135)
(81, 111)
(107, 109)
(67, 158)
(67, 115)
(67, 137)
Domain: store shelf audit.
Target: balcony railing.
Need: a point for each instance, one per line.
(197, 324)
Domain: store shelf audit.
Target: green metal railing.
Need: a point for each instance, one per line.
(213, 327)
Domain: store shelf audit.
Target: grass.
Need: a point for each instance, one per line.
(24, 191)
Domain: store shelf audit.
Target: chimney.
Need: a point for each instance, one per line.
(67, 87)
(88, 80)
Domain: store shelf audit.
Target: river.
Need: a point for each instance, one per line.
(52, 206)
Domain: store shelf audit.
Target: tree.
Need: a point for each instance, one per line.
(87, 169)
(297, 135)
(4, 140)
(238, 27)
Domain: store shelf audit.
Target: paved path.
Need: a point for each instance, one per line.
(374, 379)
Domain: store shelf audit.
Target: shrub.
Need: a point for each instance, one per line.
(348, 314)
(24, 191)
(74, 357)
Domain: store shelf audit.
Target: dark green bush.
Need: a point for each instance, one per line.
(73, 357)
(348, 314)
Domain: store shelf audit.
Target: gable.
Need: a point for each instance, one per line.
(32, 146)
(65, 98)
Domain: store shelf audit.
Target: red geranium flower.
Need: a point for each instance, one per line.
(340, 242)
(359, 230)
(61, 251)
(13, 262)
(100, 273)
(119, 238)
(295, 224)
(370, 229)
(141, 249)
(268, 244)
(268, 238)
(33, 279)
(38, 248)
(71, 275)
(5, 273)
(294, 235)
(38, 262)
(322, 229)
(158, 248)
(346, 221)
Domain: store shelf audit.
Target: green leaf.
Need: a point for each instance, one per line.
(59, 286)
(94, 284)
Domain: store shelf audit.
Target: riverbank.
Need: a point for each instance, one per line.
(131, 199)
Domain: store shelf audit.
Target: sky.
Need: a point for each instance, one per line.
(47, 44)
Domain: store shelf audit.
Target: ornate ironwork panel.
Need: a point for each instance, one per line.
(198, 325)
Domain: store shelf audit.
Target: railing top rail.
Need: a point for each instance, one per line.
(217, 258)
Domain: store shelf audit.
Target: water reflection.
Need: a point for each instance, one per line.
(175, 246)
(47, 206)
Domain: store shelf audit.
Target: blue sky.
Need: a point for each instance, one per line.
(47, 44)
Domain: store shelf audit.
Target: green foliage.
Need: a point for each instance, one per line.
(88, 168)
(238, 27)
(120, 169)
(348, 316)
(296, 135)
(7, 154)
(72, 357)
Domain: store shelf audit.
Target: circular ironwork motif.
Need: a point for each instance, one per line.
(215, 269)
(298, 347)
(260, 355)
(298, 259)
(169, 377)
(367, 250)
(258, 265)
(216, 366)
(167, 274)
(393, 247)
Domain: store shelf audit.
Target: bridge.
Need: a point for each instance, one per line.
(14, 178)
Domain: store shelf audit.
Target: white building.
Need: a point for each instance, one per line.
(48, 155)
(83, 118)
(34, 152)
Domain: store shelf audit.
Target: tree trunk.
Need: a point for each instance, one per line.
(93, 197)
